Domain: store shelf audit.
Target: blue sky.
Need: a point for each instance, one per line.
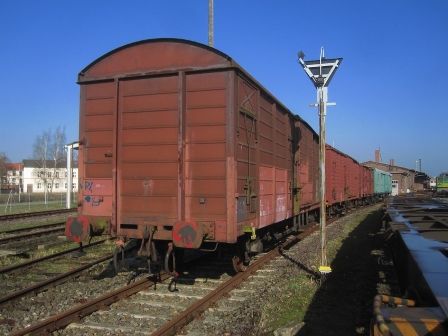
(390, 89)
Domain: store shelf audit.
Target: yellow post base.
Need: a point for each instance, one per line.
(325, 269)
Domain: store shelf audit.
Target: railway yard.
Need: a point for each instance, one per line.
(281, 290)
(202, 210)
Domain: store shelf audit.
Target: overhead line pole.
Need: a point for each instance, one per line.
(210, 23)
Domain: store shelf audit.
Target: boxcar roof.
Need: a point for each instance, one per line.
(342, 153)
(125, 62)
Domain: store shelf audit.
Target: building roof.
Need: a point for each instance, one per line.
(14, 166)
(388, 166)
(32, 163)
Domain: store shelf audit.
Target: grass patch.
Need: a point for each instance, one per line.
(294, 302)
(63, 245)
(304, 299)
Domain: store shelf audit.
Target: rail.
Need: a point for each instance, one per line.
(35, 214)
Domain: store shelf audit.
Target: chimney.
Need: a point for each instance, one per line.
(392, 162)
(377, 155)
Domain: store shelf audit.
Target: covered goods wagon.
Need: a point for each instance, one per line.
(382, 182)
(342, 176)
(179, 144)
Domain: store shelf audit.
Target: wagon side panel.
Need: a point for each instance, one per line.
(266, 144)
(97, 126)
(207, 160)
(307, 163)
(246, 155)
(147, 153)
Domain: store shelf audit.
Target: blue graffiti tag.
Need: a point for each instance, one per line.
(88, 185)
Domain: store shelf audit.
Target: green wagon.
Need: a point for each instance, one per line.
(442, 182)
(382, 182)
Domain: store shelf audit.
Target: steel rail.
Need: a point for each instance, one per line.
(61, 320)
(30, 235)
(174, 325)
(52, 281)
(35, 214)
(30, 228)
(197, 308)
(50, 256)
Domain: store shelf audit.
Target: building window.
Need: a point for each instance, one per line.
(65, 174)
(49, 174)
(49, 186)
(74, 174)
(39, 185)
(56, 185)
(65, 186)
(13, 180)
(74, 185)
(57, 174)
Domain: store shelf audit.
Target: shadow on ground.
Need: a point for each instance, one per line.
(343, 303)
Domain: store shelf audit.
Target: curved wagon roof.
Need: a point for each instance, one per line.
(165, 56)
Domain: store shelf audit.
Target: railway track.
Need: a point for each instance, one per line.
(145, 307)
(14, 238)
(25, 264)
(32, 228)
(38, 274)
(36, 214)
(162, 308)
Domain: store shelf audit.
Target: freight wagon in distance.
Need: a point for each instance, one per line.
(382, 182)
(182, 149)
(442, 183)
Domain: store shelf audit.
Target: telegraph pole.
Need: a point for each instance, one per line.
(321, 72)
(210, 23)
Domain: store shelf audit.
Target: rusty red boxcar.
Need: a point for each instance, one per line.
(180, 145)
(348, 183)
(367, 182)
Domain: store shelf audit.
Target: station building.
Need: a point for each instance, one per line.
(404, 180)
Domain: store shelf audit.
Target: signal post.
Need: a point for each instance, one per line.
(321, 72)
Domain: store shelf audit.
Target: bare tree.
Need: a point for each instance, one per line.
(49, 155)
(57, 152)
(3, 169)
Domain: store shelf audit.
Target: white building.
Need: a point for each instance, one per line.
(12, 180)
(36, 179)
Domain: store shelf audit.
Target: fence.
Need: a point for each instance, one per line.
(15, 202)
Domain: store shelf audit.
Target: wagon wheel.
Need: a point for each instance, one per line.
(238, 264)
(117, 262)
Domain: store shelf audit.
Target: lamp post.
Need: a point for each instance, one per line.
(321, 72)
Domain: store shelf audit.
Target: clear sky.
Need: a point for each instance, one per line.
(390, 90)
